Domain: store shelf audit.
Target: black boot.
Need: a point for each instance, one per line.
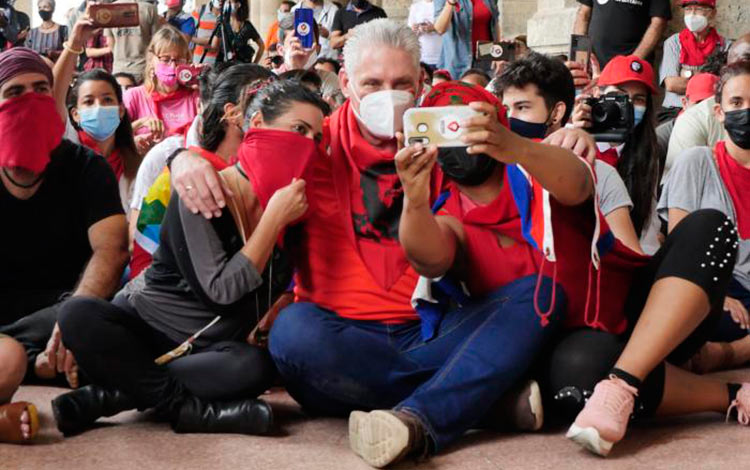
(238, 416)
(77, 410)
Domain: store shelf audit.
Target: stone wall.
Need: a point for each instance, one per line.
(550, 27)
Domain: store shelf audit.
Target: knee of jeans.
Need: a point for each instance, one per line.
(75, 317)
(291, 336)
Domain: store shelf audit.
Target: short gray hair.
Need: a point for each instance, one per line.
(380, 32)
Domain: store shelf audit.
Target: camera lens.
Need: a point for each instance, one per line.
(605, 113)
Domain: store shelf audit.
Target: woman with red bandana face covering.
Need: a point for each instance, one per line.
(47, 186)
(162, 106)
(231, 266)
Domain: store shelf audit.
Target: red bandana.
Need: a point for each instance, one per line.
(736, 179)
(694, 53)
(178, 94)
(114, 159)
(272, 158)
(216, 161)
(31, 129)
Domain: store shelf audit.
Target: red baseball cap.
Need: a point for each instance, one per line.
(172, 3)
(701, 86)
(707, 3)
(630, 68)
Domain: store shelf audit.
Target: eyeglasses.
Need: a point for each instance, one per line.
(166, 60)
(692, 9)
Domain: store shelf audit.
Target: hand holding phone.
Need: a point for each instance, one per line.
(304, 26)
(439, 126)
(580, 51)
(114, 15)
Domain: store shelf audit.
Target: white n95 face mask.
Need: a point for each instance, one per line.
(382, 112)
(696, 23)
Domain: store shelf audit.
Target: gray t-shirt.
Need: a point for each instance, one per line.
(611, 189)
(671, 67)
(694, 183)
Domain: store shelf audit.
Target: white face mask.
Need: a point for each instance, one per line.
(696, 23)
(382, 112)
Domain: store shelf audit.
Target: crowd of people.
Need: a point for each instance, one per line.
(184, 245)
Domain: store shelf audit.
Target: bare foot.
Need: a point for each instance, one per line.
(19, 422)
(42, 367)
(26, 425)
(72, 377)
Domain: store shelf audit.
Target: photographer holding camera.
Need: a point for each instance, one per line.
(622, 120)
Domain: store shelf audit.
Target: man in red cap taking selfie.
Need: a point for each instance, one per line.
(687, 51)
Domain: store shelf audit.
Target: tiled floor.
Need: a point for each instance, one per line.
(132, 442)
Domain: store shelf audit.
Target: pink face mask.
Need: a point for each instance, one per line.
(166, 74)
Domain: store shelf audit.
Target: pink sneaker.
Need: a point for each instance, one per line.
(742, 404)
(604, 419)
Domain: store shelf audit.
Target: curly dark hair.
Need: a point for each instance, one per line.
(551, 77)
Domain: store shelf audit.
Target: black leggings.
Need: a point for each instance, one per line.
(116, 348)
(29, 317)
(702, 250)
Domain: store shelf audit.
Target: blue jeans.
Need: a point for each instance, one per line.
(333, 365)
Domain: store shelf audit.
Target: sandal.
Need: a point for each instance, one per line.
(10, 422)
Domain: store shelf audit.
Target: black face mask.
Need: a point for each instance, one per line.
(530, 130)
(469, 170)
(737, 124)
(45, 15)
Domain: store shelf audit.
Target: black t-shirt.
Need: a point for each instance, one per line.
(617, 26)
(238, 42)
(346, 19)
(44, 239)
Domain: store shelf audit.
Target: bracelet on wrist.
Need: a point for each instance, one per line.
(69, 48)
(174, 154)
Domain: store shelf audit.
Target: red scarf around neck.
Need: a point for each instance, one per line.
(272, 158)
(114, 159)
(694, 53)
(370, 192)
(179, 94)
(736, 179)
(215, 160)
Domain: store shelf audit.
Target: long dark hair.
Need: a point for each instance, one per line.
(124, 142)
(640, 167)
(229, 86)
(278, 98)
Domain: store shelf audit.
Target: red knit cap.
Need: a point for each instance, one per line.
(462, 93)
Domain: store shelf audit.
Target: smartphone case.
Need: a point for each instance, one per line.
(304, 21)
(494, 51)
(114, 15)
(436, 126)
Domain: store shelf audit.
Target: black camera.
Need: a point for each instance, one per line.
(612, 118)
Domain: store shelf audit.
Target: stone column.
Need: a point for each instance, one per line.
(550, 28)
(395, 9)
(515, 15)
(263, 14)
(26, 7)
(732, 18)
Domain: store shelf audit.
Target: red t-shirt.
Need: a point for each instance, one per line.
(330, 271)
(480, 24)
(492, 265)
